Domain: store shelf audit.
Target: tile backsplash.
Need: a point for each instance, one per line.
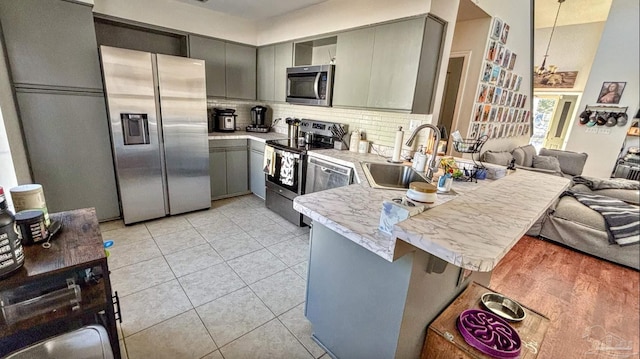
(379, 127)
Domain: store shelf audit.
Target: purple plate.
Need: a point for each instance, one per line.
(489, 333)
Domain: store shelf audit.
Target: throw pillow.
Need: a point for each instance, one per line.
(546, 163)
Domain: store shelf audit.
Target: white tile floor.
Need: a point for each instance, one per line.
(227, 283)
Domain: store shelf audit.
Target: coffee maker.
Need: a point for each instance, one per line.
(258, 117)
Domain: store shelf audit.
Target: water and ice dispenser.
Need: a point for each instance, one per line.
(135, 128)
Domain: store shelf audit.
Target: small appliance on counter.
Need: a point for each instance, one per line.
(224, 120)
(258, 117)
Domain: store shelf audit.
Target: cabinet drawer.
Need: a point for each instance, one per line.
(227, 143)
(256, 145)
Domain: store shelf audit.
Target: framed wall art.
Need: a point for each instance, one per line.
(611, 92)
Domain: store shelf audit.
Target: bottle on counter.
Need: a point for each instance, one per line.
(11, 254)
(354, 142)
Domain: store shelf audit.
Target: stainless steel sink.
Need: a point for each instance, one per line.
(391, 176)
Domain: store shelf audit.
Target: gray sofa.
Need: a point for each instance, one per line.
(575, 225)
(556, 162)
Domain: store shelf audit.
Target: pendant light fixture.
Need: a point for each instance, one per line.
(543, 69)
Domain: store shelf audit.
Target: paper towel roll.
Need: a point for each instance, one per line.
(397, 145)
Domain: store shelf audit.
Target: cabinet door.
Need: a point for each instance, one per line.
(51, 43)
(218, 172)
(394, 70)
(354, 55)
(256, 174)
(430, 58)
(283, 59)
(241, 71)
(67, 136)
(265, 73)
(237, 170)
(213, 53)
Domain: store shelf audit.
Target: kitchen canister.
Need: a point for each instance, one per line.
(422, 192)
(363, 146)
(11, 254)
(30, 196)
(30, 227)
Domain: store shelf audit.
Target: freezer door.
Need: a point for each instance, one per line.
(183, 101)
(128, 80)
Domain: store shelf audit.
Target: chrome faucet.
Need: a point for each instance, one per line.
(432, 166)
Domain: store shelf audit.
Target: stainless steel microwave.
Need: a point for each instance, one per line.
(310, 85)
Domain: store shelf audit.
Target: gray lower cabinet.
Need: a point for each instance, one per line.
(212, 51)
(256, 172)
(229, 168)
(273, 61)
(240, 71)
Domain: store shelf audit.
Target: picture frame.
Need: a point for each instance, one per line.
(486, 75)
(501, 77)
(490, 94)
(504, 34)
(507, 58)
(485, 113)
(611, 92)
(495, 73)
(491, 52)
(560, 79)
(496, 29)
(512, 61)
(497, 96)
(482, 93)
(500, 57)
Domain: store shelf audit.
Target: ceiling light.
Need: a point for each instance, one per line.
(543, 69)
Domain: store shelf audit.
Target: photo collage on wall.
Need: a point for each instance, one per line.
(499, 109)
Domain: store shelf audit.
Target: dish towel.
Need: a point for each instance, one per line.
(621, 218)
(287, 167)
(269, 165)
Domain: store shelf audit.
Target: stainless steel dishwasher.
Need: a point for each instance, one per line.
(322, 175)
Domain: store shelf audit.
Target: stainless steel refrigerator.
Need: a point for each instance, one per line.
(158, 115)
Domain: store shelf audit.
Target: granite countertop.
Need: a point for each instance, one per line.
(473, 230)
(244, 135)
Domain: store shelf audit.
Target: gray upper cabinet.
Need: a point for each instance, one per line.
(62, 49)
(213, 53)
(353, 67)
(434, 32)
(240, 71)
(273, 61)
(265, 76)
(394, 69)
(283, 59)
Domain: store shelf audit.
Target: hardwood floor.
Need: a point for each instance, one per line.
(593, 305)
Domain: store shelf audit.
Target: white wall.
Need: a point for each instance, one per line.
(335, 15)
(573, 48)
(517, 14)
(181, 16)
(616, 60)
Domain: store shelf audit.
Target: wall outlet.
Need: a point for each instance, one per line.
(413, 124)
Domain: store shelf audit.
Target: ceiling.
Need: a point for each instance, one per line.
(252, 9)
(572, 12)
(470, 11)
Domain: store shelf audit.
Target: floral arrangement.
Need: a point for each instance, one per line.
(450, 167)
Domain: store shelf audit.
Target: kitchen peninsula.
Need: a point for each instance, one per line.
(373, 295)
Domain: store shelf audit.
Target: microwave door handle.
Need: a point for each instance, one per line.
(316, 83)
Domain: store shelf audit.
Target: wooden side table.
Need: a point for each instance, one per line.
(76, 254)
(444, 340)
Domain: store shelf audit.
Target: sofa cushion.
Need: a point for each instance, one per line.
(524, 155)
(502, 158)
(571, 163)
(627, 195)
(547, 163)
(570, 209)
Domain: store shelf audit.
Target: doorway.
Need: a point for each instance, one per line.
(551, 118)
(453, 89)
